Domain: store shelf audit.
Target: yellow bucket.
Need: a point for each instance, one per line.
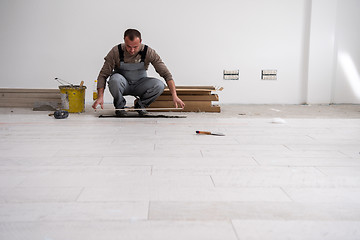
(73, 98)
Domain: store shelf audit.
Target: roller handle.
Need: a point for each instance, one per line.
(203, 132)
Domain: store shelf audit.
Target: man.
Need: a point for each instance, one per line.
(126, 64)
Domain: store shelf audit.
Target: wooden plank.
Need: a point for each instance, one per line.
(28, 98)
(30, 95)
(195, 87)
(215, 109)
(159, 104)
(27, 102)
(190, 106)
(196, 98)
(28, 90)
(18, 100)
(18, 104)
(189, 92)
(212, 97)
(32, 100)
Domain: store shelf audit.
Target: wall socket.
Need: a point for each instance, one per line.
(268, 74)
(231, 74)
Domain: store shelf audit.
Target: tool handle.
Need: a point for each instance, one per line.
(203, 132)
(61, 81)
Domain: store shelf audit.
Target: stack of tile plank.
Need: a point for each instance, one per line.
(18, 97)
(196, 99)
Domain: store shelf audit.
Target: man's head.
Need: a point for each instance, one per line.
(132, 38)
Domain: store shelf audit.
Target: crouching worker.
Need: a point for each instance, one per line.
(126, 64)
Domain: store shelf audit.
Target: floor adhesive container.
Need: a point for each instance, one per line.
(73, 98)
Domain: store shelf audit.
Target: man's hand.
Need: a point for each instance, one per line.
(178, 102)
(98, 101)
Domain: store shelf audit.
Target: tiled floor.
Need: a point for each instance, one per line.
(93, 178)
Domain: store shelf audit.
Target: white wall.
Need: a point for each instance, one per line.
(334, 54)
(322, 51)
(346, 87)
(43, 39)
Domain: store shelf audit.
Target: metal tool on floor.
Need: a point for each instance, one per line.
(60, 114)
(209, 133)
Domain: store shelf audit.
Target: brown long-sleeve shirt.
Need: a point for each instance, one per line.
(112, 61)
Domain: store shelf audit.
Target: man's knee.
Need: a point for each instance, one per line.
(159, 86)
(117, 81)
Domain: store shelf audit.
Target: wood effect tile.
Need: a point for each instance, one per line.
(296, 230)
(120, 230)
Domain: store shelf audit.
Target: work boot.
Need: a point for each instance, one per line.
(120, 113)
(140, 112)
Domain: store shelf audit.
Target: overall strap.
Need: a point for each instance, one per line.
(143, 53)
(121, 53)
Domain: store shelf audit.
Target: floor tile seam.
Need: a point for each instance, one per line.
(156, 175)
(257, 162)
(296, 220)
(263, 204)
(348, 155)
(232, 167)
(287, 194)
(350, 205)
(320, 171)
(80, 193)
(259, 201)
(77, 202)
(222, 218)
(100, 161)
(312, 138)
(120, 221)
(208, 187)
(212, 180)
(56, 168)
(323, 188)
(44, 187)
(234, 229)
(288, 148)
(39, 202)
(298, 186)
(307, 157)
(148, 210)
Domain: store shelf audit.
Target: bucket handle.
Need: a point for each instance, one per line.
(61, 81)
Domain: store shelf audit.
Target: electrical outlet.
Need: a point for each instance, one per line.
(231, 74)
(269, 74)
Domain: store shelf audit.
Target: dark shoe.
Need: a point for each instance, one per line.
(120, 113)
(140, 112)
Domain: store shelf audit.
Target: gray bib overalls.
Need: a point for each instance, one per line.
(131, 79)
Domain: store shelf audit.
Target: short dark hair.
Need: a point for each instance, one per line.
(132, 34)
